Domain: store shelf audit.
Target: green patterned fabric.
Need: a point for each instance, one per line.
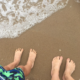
(14, 74)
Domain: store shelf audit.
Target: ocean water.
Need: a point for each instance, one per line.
(17, 16)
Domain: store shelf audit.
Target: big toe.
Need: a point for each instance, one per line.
(61, 58)
(68, 60)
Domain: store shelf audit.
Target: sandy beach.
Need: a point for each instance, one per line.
(59, 35)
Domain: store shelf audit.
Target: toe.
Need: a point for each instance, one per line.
(22, 50)
(16, 50)
(57, 57)
(68, 60)
(19, 49)
(34, 51)
(30, 50)
(72, 61)
(61, 58)
(54, 58)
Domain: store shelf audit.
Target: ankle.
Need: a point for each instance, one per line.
(16, 62)
(55, 71)
(67, 73)
(29, 62)
(67, 76)
(55, 76)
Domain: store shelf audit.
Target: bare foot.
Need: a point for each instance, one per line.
(56, 63)
(32, 56)
(18, 54)
(70, 67)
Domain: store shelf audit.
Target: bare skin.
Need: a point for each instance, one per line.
(18, 54)
(32, 56)
(29, 65)
(70, 68)
(16, 61)
(56, 63)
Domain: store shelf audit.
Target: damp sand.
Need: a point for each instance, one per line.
(59, 31)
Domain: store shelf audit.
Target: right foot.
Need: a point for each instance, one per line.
(32, 56)
(56, 63)
(18, 54)
(70, 67)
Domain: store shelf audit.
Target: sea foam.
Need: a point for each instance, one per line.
(17, 16)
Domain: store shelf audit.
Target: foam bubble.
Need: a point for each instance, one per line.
(34, 1)
(17, 16)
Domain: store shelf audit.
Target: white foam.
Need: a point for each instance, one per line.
(17, 16)
(34, 1)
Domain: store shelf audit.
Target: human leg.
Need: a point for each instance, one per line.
(56, 63)
(16, 61)
(70, 67)
(30, 63)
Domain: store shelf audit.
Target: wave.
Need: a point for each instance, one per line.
(17, 16)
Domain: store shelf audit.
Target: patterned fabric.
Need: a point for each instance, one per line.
(1, 78)
(14, 74)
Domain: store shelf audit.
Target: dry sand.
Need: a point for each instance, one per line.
(57, 35)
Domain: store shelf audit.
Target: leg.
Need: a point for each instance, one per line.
(16, 61)
(56, 63)
(70, 67)
(30, 63)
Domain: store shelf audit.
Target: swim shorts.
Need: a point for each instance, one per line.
(14, 74)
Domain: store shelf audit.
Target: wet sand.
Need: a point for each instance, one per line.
(59, 35)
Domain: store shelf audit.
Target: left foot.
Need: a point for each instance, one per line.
(18, 54)
(56, 63)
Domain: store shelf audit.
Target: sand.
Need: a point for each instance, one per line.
(59, 35)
